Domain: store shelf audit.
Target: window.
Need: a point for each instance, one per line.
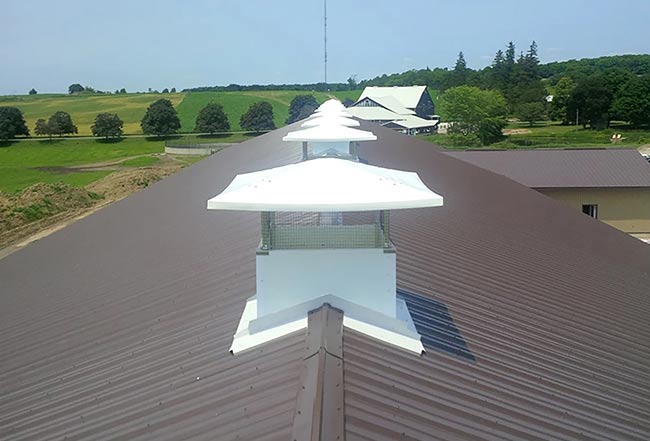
(590, 210)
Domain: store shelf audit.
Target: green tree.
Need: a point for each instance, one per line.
(107, 125)
(12, 123)
(458, 76)
(42, 128)
(498, 71)
(258, 118)
(173, 90)
(525, 81)
(558, 107)
(160, 119)
(61, 124)
(75, 88)
(165, 90)
(633, 101)
(33, 91)
(531, 112)
(301, 107)
(475, 113)
(591, 101)
(212, 119)
(123, 90)
(616, 77)
(352, 82)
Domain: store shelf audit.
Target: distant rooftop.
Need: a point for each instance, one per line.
(407, 96)
(564, 168)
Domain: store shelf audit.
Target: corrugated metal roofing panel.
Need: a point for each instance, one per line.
(553, 311)
(107, 323)
(563, 168)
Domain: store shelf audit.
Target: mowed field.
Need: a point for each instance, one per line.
(35, 160)
(84, 108)
(132, 107)
(236, 104)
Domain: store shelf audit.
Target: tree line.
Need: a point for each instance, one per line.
(160, 119)
(590, 94)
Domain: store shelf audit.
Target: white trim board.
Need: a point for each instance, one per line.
(253, 331)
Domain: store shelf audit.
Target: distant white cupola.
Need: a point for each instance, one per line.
(325, 236)
(329, 132)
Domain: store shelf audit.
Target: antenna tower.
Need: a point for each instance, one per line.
(325, 36)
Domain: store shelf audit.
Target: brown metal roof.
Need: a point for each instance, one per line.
(107, 324)
(564, 168)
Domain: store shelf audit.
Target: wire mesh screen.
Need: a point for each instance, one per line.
(321, 230)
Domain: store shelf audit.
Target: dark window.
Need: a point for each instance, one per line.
(590, 210)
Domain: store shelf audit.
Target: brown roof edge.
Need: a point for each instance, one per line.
(319, 408)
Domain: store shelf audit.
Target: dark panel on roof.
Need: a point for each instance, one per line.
(560, 168)
(435, 325)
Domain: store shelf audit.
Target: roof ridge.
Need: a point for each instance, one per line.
(319, 411)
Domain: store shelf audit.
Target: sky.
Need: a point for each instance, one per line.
(139, 44)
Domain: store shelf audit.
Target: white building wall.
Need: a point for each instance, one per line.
(289, 277)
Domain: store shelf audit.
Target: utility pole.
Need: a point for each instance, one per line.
(325, 36)
(577, 118)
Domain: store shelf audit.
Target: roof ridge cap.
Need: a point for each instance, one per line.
(319, 411)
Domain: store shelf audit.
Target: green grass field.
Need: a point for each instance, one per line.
(554, 135)
(132, 107)
(31, 161)
(28, 162)
(236, 104)
(551, 134)
(84, 108)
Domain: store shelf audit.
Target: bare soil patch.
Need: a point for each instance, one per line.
(42, 209)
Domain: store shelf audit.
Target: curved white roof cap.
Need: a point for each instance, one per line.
(325, 184)
(331, 105)
(327, 112)
(330, 121)
(329, 133)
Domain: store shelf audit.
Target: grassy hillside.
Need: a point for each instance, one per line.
(28, 162)
(237, 103)
(84, 108)
(131, 107)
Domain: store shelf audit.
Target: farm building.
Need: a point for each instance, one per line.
(612, 185)
(406, 109)
(533, 317)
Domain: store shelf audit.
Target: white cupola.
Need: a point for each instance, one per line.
(325, 238)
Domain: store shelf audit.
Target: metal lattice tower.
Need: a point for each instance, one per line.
(325, 36)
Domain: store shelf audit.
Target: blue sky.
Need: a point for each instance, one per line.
(169, 43)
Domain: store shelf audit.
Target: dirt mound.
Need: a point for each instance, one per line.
(122, 183)
(41, 201)
(44, 208)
